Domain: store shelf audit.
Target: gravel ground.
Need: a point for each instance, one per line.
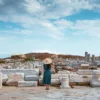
(39, 93)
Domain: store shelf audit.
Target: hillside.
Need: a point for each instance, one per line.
(44, 55)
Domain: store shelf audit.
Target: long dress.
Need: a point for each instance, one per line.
(47, 75)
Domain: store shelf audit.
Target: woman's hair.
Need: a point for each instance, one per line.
(48, 66)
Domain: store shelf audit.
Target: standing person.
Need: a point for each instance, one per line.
(47, 72)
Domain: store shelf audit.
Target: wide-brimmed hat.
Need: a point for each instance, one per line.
(47, 61)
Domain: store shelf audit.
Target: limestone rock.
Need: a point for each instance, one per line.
(95, 81)
(25, 71)
(27, 84)
(31, 78)
(65, 82)
(4, 78)
(16, 76)
(69, 68)
(0, 80)
(11, 83)
(85, 72)
(79, 78)
(64, 72)
(54, 82)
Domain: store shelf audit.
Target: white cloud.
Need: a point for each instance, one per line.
(35, 16)
(16, 31)
(32, 6)
(45, 51)
(59, 8)
(63, 24)
(81, 27)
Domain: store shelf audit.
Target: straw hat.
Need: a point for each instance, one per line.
(47, 61)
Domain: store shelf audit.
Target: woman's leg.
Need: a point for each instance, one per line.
(47, 86)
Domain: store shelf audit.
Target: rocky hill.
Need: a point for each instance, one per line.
(44, 55)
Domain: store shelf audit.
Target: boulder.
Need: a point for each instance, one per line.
(31, 78)
(27, 84)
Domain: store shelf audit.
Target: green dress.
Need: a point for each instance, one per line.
(47, 74)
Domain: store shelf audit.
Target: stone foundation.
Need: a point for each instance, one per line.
(27, 84)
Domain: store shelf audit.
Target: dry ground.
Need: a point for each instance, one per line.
(39, 93)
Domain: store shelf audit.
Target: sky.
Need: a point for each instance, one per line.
(54, 26)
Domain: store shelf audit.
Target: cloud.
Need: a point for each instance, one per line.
(43, 51)
(46, 9)
(35, 15)
(80, 27)
(16, 31)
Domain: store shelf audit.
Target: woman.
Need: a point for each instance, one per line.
(47, 72)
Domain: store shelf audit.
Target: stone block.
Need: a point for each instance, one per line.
(16, 76)
(79, 83)
(11, 83)
(4, 78)
(54, 82)
(85, 72)
(31, 78)
(95, 81)
(64, 72)
(55, 76)
(25, 71)
(27, 84)
(0, 80)
(79, 78)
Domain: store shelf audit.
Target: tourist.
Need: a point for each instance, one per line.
(47, 72)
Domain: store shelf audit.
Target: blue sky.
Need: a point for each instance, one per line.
(55, 26)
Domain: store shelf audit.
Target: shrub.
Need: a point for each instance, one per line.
(2, 61)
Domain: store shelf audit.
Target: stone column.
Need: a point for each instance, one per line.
(65, 82)
(0, 80)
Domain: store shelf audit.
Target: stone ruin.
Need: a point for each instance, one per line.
(63, 79)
